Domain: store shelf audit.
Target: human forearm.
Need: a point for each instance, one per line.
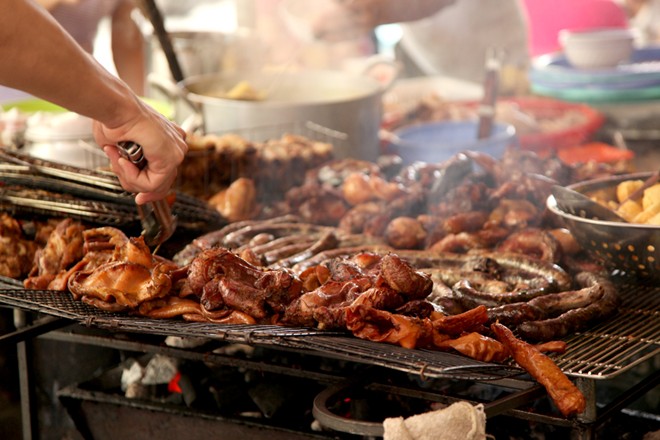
(128, 47)
(348, 18)
(48, 63)
(397, 11)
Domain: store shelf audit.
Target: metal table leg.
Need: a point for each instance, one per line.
(21, 338)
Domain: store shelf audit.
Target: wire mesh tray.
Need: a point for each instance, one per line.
(602, 352)
(19, 200)
(39, 187)
(619, 343)
(62, 304)
(309, 129)
(335, 344)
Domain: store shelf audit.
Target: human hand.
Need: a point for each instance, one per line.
(164, 147)
(326, 20)
(344, 20)
(50, 4)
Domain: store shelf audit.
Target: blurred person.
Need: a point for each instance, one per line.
(49, 64)
(81, 18)
(644, 17)
(547, 19)
(439, 37)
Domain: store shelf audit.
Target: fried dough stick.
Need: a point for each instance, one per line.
(566, 396)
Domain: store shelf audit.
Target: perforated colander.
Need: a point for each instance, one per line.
(627, 248)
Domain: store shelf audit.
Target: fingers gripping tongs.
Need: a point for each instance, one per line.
(158, 223)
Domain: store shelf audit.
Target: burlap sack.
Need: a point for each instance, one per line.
(459, 421)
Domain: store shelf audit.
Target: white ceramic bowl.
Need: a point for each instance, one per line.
(597, 48)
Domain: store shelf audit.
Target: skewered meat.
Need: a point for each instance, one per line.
(564, 394)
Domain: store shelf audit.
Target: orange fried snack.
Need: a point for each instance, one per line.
(566, 396)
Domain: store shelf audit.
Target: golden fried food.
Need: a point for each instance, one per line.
(637, 208)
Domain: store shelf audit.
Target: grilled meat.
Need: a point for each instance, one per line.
(119, 273)
(568, 398)
(63, 249)
(16, 252)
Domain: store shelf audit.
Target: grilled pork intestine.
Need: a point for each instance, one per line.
(119, 273)
(568, 398)
(63, 250)
(385, 282)
(222, 280)
(16, 252)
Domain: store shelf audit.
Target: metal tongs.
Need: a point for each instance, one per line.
(488, 105)
(158, 223)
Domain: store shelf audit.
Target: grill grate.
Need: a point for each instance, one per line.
(602, 352)
(38, 187)
(615, 345)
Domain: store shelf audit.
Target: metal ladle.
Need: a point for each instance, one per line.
(578, 204)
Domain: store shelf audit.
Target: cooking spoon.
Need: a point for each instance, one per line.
(578, 204)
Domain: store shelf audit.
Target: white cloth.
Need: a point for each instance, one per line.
(454, 41)
(459, 421)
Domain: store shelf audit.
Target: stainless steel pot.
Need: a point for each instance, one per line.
(201, 53)
(348, 103)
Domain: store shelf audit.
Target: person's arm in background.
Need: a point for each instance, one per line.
(127, 45)
(354, 16)
(394, 11)
(41, 58)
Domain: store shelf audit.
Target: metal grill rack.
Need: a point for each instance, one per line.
(602, 352)
(308, 129)
(38, 187)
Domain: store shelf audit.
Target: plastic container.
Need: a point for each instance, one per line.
(586, 121)
(439, 141)
(65, 138)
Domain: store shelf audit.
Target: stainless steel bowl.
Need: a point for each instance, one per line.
(625, 248)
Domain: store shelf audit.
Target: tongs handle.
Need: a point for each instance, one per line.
(133, 152)
(487, 108)
(158, 223)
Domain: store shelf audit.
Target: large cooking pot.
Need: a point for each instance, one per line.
(348, 103)
(205, 52)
